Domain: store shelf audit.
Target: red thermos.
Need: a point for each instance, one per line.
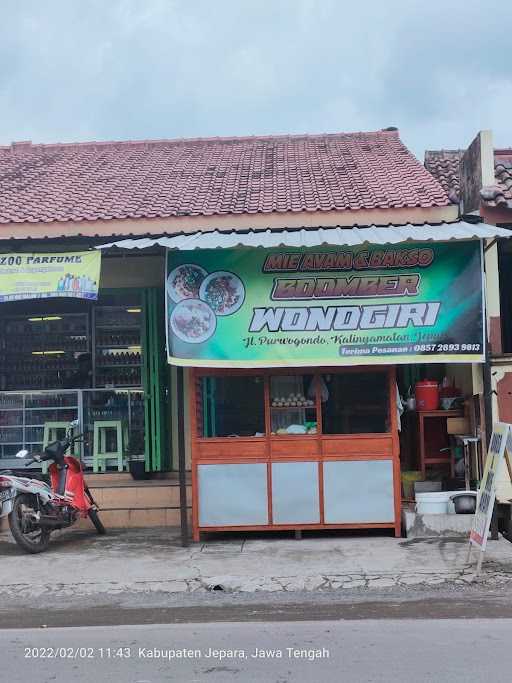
(427, 395)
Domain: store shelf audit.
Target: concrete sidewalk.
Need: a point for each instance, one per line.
(152, 560)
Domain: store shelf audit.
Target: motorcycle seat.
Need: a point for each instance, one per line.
(26, 474)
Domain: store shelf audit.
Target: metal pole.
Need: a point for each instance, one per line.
(488, 417)
(181, 457)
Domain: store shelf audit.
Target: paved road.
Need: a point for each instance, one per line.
(268, 607)
(433, 651)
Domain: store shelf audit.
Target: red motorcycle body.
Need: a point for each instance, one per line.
(75, 491)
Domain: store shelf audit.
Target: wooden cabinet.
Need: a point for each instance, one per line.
(290, 467)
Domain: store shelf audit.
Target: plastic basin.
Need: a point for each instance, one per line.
(432, 503)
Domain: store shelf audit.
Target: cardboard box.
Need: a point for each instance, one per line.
(458, 425)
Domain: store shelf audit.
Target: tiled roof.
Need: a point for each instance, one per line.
(215, 176)
(500, 194)
(444, 166)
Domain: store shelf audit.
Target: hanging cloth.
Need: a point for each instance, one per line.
(399, 408)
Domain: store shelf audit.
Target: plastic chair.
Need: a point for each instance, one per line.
(100, 454)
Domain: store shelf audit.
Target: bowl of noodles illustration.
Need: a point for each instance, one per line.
(193, 321)
(183, 282)
(223, 291)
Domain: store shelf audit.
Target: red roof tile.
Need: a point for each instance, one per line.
(163, 178)
(500, 194)
(444, 166)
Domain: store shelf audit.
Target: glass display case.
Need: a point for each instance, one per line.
(293, 405)
(297, 404)
(62, 360)
(117, 344)
(232, 406)
(23, 417)
(355, 403)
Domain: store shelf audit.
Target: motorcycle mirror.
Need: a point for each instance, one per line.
(22, 454)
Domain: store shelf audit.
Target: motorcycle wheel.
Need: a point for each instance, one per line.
(30, 537)
(95, 519)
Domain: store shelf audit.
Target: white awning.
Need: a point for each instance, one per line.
(314, 237)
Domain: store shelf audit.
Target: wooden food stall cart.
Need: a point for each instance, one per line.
(294, 449)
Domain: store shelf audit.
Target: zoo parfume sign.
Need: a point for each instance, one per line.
(44, 276)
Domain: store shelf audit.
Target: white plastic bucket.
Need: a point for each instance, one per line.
(433, 503)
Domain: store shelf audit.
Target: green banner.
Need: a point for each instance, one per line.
(43, 276)
(408, 303)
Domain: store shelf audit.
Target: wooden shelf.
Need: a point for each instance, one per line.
(292, 436)
(425, 460)
(441, 413)
(293, 408)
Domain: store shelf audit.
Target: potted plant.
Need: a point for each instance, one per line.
(136, 456)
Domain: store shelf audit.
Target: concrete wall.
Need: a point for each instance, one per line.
(124, 503)
(501, 366)
(501, 382)
(492, 297)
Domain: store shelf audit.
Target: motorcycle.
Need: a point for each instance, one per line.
(35, 509)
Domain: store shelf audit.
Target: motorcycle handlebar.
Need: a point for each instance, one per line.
(71, 439)
(77, 437)
(65, 443)
(33, 460)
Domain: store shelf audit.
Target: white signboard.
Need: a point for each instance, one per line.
(500, 448)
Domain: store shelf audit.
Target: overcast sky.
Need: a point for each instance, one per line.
(74, 70)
